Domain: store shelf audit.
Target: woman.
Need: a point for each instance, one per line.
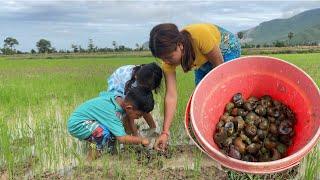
(198, 46)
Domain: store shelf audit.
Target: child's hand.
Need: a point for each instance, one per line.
(145, 142)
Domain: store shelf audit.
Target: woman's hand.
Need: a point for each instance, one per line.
(161, 142)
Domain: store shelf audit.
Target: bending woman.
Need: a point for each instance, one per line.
(201, 47)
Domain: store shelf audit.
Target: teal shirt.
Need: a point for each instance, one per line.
(103, 109)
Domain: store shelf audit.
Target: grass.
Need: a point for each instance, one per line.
(38, 95)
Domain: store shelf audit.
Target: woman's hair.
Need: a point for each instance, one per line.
(147, 75)
(141, 98)
(164, 39)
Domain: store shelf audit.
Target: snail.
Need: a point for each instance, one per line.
(229, 107)
(240, 145)
(266, 101)
(269, 144)
(261, 110)
(251, 130)
(251, 117)
(238, 100)
(285, 127)
(233, 152)
(229, 127)
(253, 148)
(275, 154)
(242, 112)
(264, 124)
(273, 128)
(255, 129)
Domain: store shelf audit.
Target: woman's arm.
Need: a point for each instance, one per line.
(171, 97)
(215, 56)
(170, 105)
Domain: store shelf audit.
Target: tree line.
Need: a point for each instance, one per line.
(45, 46)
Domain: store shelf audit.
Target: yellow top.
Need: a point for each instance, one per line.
(204, 38)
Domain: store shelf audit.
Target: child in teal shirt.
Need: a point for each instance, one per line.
(99, 119)
(125, 77)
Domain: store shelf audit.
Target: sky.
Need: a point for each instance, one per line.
(128, 22)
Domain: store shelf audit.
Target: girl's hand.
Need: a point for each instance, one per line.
(161, 142)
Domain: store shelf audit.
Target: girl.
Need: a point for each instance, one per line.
(126, 77)
(198, 46)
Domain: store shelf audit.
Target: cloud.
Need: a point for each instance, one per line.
(128, 22)
(297, 7)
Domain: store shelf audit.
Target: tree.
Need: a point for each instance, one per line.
(6, 51)
(75, 48)
(81, 49)
(53, 50)
(114, 44)
(33, 51)
(8, 46)
(137, 47)
(122, 48)
(290, 36)
(10, 42)
(44, 46)
(240, 35)
(279, 44)
(91, 46)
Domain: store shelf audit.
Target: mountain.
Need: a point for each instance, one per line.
(304, 26)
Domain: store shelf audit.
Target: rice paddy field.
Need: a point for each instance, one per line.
(38, 95)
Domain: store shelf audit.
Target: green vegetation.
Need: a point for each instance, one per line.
(37, 96)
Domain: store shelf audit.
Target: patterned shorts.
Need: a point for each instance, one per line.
(101, 136)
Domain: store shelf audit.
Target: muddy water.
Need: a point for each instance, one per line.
(179, 162)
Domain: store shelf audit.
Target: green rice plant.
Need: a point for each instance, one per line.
(7, 156)
(310, 165)
(197, 163)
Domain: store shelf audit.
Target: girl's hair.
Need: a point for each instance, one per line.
(147, 75)
(164, 39)
(141, 98)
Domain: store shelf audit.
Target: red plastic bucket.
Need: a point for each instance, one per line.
(257, 76)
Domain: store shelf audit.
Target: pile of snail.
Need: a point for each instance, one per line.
(255, 130)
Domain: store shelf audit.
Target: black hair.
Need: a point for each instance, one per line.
(141, 98)
(164, 39)
(147, 75)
